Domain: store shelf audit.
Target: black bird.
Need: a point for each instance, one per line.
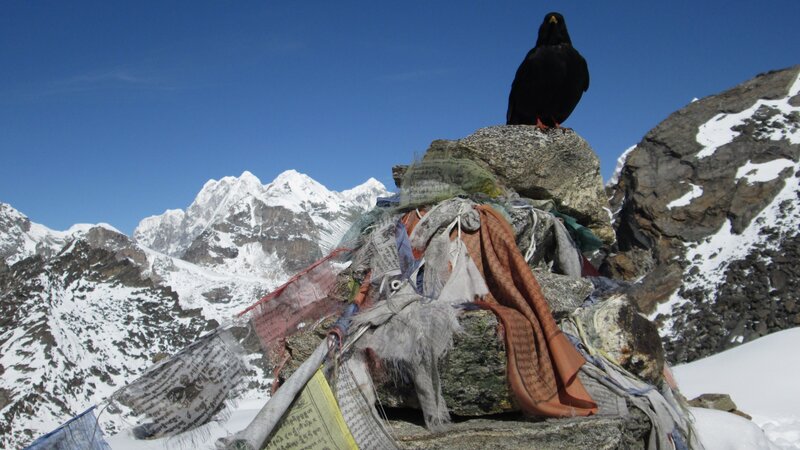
(551, 79)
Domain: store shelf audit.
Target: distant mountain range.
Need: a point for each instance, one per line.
(84, 311)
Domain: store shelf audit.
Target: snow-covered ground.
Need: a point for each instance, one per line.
(761, 378)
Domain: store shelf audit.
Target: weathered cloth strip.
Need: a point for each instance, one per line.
(79, 433)
(314, 421)
(255, 435)
(302, 299)
(542, 364)
(188, 389)
(356, 398)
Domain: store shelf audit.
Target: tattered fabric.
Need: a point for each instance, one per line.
(542, 364)
(304, 298)
(413, 335)
(188, 389)
(79, 433)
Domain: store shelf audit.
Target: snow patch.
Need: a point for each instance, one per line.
(620, 164)
(718, 131)
(763, 172)
(760, 377)
(686, 198)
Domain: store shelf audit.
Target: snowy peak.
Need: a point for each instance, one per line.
(20, 238)
(216, 196)
(221, 204)
(300, 193)
(366, 193)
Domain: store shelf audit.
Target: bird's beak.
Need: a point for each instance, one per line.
(553, 19)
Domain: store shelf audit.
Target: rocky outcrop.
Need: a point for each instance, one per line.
(704, 209)
(720, 402)
(555, 165)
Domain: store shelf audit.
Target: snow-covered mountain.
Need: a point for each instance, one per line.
(239, 223)
(706, 213)
(84, 311)
(20, 238)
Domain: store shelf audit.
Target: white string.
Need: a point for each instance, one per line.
(532, 247)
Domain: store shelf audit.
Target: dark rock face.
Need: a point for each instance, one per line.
(274, 229)
(539, 165)
(698, 172)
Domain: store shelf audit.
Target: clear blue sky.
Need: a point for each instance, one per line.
(113, 111)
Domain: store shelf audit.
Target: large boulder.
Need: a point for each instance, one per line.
(705, 217)
(556, 164)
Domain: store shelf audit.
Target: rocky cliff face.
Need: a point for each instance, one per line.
(84, 311)
(706, 217)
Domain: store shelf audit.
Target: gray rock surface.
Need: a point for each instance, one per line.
(564, 294)
(558, 165)
(600, 433)
(720, 402)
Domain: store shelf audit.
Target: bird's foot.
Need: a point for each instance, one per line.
(542, 127)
